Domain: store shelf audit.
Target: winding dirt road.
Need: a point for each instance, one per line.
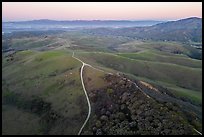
(82, 82)
(89, 105)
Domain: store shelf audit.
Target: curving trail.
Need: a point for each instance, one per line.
(197, 131)
(89, 113)
(140, 89)
(89, 105)
(82, 82)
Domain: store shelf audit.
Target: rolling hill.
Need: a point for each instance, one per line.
(138, 80)
(45, 91)
(184, 30)
(43, 88)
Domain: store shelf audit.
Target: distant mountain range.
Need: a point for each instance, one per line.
(45, 24)
(88, 22)
(184, 30)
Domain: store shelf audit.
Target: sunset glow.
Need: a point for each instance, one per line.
(16, 11)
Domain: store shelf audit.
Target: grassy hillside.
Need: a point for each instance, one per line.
(185, 94)
(93, 79)
(156, 56)
(181, 77)
(42, 91)
(86, 42)
(38, 43)
(139, 45)
(80, 41)
(47, 86)
(15, 121)
(184, 30)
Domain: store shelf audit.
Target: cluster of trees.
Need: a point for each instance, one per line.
(121, 109)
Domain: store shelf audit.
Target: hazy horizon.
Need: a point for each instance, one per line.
(133, 11)
(97, 20)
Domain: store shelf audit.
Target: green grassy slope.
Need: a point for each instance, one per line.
(177, 77)
(33, 42)
(150, 55)
(45, 87)
(53, 77)
(15, 122)
(93, 79)
(91, 42)
(138, 45)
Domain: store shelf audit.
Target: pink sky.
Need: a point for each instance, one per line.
(15, 11)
